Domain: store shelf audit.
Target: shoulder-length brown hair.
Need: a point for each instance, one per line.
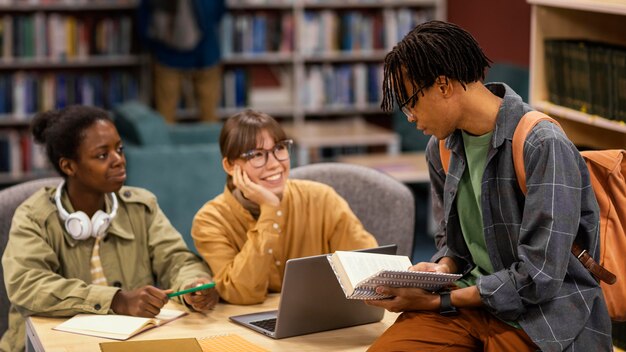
(241, 133)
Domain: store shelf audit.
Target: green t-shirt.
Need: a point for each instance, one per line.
(469, 207)
(470, 211)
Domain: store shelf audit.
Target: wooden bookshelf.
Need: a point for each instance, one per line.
(67, 6)
(55, 53)
(326, 71)
(593, 20)
(296, 61)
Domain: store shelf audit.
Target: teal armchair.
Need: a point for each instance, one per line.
(180, 164)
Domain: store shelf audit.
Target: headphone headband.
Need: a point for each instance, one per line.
(78, 224)
(64, 214)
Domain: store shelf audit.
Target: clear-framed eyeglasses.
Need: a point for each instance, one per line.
(258, 157)
(405, 109)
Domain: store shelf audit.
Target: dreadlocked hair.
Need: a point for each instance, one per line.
(430, 50)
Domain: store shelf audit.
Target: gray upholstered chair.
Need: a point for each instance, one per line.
(384, 205)
(10, 199)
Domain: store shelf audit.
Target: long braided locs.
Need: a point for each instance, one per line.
(430, 50)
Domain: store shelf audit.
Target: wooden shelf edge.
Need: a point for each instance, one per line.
(258, 58)
(86, 62)
(10, 121)
(571, 114)
(328, 4)
(286, 5)
(71, 7)
(603, 6)
(9, 179)
(346, 56)
(367, 4)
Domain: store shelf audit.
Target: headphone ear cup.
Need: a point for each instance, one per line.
(78, 225)
(99, 223)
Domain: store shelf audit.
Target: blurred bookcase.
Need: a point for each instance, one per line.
(569, 41)
(55, 53)
(312, 62)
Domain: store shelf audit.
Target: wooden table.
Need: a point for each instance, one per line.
(357, 338)
(405, 167)
(345, 133)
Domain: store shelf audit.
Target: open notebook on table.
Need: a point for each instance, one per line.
(118, 327)
(312, 301)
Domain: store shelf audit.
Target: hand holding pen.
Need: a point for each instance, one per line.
(201, 295)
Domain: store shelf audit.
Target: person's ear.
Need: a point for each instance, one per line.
(444, 86)
(68, 166)
(228, 166)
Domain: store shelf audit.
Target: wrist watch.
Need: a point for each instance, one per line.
(445, 306)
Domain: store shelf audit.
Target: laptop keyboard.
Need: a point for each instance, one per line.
(267, 324)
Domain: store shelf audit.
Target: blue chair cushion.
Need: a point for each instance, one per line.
(140, 125)
(182, 177)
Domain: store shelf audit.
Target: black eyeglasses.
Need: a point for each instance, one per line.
(405, 109)
(258, 157)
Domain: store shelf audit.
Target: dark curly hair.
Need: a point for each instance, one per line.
(430, 50)
(61, 131)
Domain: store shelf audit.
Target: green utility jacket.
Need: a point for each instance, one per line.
(47, 272)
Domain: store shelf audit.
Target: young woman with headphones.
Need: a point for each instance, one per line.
(92, 245)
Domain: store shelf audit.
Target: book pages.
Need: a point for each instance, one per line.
(118, 327)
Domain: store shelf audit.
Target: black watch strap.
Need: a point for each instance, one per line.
(445, 307)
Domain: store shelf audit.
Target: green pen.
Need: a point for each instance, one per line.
(192, 289)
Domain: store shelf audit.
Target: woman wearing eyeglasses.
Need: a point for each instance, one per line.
(262, 219)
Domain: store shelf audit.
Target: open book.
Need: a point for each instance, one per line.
(118, 327)
(359, 274)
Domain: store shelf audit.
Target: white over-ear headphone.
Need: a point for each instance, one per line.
(78, 224)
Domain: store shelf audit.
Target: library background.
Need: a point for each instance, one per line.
(315, 65)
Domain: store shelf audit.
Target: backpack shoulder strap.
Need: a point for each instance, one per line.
(525, 125)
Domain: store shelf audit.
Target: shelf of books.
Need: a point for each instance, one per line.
(55, 53)
(578, 68)
(313, 58)
(66, 5)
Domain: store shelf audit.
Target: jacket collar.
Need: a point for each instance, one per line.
(511, 110)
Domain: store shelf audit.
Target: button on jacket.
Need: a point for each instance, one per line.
(47, 271)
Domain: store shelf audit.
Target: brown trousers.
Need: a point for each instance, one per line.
(207, 88)
(472, 330)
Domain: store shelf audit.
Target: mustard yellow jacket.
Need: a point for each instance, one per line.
(248, 256)
(47, 272)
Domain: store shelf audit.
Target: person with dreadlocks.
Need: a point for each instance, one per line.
(522, 289)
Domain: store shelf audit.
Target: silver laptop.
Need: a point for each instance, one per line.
(312, 301)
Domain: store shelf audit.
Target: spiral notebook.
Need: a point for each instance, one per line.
(360, 273)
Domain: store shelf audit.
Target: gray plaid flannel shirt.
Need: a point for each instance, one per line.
(536, 281)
